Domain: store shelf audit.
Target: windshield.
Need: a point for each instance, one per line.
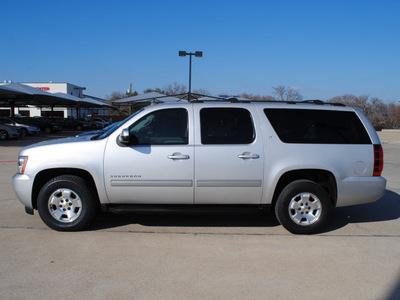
(110, 129)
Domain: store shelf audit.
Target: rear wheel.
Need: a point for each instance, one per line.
(66, 203)
(303, 207)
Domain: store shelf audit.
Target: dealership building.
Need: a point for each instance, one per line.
(60, 112)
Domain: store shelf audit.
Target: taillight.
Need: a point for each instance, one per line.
(378, 160)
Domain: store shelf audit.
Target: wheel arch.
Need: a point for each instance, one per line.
(45, 175)
(324, 178)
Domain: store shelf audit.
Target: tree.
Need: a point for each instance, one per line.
(257, 97)
(115, 96)
(201, 92)
(287, 93)
(156, 90)
(175, 89)
(380, 114)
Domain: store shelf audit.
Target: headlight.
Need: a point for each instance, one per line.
(22, 161)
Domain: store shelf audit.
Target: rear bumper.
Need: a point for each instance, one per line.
(359, 190)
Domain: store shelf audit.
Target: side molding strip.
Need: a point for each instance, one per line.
(153, 183)
(228, 183)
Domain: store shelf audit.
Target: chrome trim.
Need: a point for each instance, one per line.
(229, 183)
(153, 183)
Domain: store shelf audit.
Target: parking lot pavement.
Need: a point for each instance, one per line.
(201, 257)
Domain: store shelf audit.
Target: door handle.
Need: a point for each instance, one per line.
(178, 156)
(248, 155)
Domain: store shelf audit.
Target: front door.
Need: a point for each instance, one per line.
(158, 168)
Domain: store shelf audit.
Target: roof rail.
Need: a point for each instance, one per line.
(235, 100)
(318, 102)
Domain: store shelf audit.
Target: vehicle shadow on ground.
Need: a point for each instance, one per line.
(109, 220)
(395, 292)
(385, 209)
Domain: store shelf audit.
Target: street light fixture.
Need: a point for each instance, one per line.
(196, 54)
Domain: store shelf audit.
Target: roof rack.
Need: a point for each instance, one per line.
(235, 100)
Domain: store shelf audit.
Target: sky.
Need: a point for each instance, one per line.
(322, 48)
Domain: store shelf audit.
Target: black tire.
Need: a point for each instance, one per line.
(47, 130)
(303, 207)
(24, 132)
(3, 135)
(67, 203)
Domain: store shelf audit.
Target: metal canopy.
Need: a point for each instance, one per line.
(20, 95)
(16, 94)
(83, 102)
(90, 102)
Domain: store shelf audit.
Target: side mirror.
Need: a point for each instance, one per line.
(123, 138)
(126, 139)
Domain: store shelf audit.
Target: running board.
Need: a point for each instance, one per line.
(185, 209)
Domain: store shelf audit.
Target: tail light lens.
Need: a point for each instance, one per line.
(378, 160)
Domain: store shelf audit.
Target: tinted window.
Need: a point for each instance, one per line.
(306, 126)
(226, 126)
(162, 127)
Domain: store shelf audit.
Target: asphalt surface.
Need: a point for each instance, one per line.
(201, 257)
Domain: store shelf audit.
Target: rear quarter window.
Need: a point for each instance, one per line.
(308, 126)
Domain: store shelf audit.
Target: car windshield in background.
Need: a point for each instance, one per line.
(113, 128)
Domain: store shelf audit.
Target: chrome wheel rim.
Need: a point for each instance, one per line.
(305, 209)
(65, 205)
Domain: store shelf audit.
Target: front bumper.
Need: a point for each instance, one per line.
(22, 185)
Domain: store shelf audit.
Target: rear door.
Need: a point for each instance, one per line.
(229, 156)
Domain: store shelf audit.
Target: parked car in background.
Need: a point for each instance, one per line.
(24, 128)
(44, 125)
(72, 124)
(101, 131)
(103, 122)
(9, 132)
(94, 125)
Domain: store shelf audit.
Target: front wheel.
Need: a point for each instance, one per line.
(3, 135)
(67, 203)
(303, 207)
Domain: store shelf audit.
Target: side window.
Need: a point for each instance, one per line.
(162, 127)
(226, 126)
(308, 126)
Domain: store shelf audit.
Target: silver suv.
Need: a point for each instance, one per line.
(300, 159)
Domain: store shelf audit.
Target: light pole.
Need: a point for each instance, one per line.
(197, 54)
